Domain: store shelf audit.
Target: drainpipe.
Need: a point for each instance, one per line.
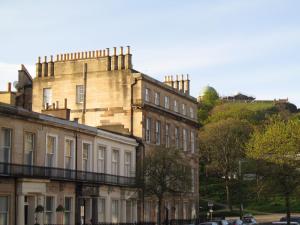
(131, 106)
(84, 89)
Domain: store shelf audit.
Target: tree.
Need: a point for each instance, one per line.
(209, 98)
(277, 150)
(222, 144)
(165, 171)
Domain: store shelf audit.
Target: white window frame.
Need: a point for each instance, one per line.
(55, 150)
(192, 141)
(148, 130)
(72, 208)
(118, 161)
(167, 102)
(147, 94)
(33, 147)
(184, 139)
(53, 213)
(177, 139)
(72, 152)
(167, 134)
(175, 105)
(118, 208)
(103, 220)
(157, 98)
(157, 132)
(126, 164)
(79, 93)
(104, 159)
(7, 212)
(89, 160)
(192, 113)
(193, 180)
(47, 99)
(183, 109)
(4, 147)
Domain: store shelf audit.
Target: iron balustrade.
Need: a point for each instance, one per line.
(52, 173)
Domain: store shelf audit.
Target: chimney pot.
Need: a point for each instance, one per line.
(45, 59)
(107, 50)
(121, 50)
(66, 103)
(115, 50)
(39, 59)
(128, 49)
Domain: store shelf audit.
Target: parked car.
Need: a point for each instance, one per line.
(249, 220)
(285, 222)
(221, 222)
(208, 223)
(293, 219)
(236, 222)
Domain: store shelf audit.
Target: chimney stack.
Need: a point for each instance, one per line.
(121, 59)
(114, 60)
(128, 57)
(9, 87)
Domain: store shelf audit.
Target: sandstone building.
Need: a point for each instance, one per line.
(103, 90)
(49, 164)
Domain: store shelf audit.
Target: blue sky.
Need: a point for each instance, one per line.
(248, 46)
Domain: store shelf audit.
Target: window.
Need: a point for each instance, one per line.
(148, 130)
(147, 211)
(101, 210)
(192, 142)
(175, 106)
(167, 102)
(51, 150)
(4, 210)
(193, 180)
(176, 211)
(183, 109)
(68, 210)
(167, 136)
(114, 211)
(176, 137)
(184, 134)
(69, 152)
(115, 162)
(86, 156)
(28, 148)
(127, 164)
(147, 95)
(185, 210)
(5, 145)
(49, 210)
(129, 211)
(101, 165)
(157, 132)
(47, 96)
(79, 93)
(157, 98)
(192, 113)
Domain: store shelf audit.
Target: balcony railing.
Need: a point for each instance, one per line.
(40, 172)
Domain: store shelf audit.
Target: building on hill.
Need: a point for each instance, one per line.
(103, 90)
(239, 97)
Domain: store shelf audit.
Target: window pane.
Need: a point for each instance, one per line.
(47, 96)
(3, 204)
(79, 93)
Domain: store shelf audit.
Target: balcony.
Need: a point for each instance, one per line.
(60, 174)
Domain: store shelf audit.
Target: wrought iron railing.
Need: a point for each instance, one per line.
(40, 172)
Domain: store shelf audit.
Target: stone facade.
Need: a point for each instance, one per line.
(103, 90)
(54, 162)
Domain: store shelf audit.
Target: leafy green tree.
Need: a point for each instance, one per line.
(277, 149)
(165, 171)
(222, 144)
(208, 100)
